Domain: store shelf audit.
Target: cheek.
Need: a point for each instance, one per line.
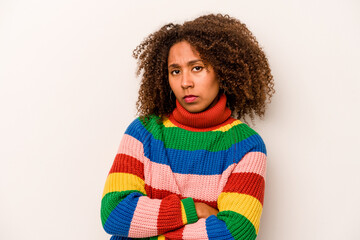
(174, 88)
(171, 84)
(215, 85)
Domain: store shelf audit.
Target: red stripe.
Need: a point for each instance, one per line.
(177, 234)
(160, 194)
(156, 193)
(248, 183)
(126, 164)
(169, 217)
(229, 121)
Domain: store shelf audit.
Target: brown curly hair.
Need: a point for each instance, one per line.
(223, 42)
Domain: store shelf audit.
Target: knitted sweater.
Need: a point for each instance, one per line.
(160, 169)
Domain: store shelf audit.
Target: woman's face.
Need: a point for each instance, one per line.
(195, 85)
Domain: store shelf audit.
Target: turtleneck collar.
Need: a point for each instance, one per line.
(213, 116)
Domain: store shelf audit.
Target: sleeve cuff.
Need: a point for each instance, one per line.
(190, 210)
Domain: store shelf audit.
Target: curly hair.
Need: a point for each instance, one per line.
(223, 42)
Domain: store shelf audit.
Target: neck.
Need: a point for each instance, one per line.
(214, 115)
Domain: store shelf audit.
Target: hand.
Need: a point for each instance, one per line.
(204, 211)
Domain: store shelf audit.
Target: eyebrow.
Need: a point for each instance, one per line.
(192, 62)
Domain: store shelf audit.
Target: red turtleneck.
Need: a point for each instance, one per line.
(207, 120)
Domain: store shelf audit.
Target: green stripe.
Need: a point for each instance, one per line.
(190, 210)
(213, 141)
(110, 201)
(239, 226)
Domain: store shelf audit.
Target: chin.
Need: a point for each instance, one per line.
(195, 109)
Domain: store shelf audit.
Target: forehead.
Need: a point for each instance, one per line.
(182, 53)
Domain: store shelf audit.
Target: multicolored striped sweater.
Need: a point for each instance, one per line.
(165, 164)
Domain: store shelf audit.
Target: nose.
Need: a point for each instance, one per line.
(187, 81)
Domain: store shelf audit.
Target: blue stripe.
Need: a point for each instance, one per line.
(120, 218)
(136, 130)
(200, 162)
(119, 238)
(216, 229)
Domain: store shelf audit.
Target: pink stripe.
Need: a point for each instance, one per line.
(132, 147)
(254, 162)
(196, 230)
(144, 221)
(203, 187)
(160, 176)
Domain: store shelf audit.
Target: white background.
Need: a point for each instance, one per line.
(68, 91)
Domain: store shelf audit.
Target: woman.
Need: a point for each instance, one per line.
(187, 168)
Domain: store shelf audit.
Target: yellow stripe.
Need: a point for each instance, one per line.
(167, 122)
(161, 237)
(183, 214)
(228, 126)
(118, 182)
(244, 204)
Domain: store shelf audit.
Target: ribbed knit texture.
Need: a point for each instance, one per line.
(204, 119)
(161, 169)
(190, 210)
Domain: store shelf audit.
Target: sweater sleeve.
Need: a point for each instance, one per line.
(240, 203)
(126, 210)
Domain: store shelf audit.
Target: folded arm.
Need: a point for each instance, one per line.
(240, 205)
(127, 211)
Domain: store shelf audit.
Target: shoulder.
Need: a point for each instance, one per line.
(141, 126)
(248, 137)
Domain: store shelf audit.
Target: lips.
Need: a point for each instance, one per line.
(190, 98)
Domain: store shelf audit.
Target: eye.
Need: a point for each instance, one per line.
(197, 68)
(175, 72)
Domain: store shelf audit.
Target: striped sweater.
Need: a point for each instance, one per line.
(165, 164)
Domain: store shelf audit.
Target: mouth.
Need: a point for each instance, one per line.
(190, 98)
